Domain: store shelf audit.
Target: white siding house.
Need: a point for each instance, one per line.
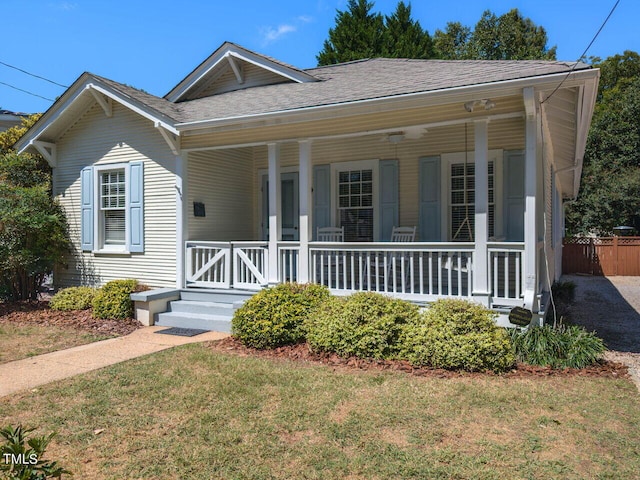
(224, 182)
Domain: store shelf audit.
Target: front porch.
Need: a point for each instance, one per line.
(416, 271)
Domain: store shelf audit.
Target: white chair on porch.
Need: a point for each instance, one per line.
(403, 234)
(330, 234)
(395, 260)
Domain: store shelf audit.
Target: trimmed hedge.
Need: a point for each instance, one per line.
(275, 316)
(457, 335)
(113, 300)
(365, 324)
(73, 298)
(559, 347)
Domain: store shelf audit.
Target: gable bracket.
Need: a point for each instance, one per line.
(172, 140)
(47, 150)
(105, 102)
(237, 69)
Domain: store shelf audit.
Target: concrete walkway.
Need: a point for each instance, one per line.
(35, 371)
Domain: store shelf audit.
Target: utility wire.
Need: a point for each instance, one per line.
(33, 75)
(585, 51)
(26, 91)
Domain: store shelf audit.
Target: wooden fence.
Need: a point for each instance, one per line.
(602, 256)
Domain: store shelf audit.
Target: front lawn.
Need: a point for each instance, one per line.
(192, 412)
(18, 341)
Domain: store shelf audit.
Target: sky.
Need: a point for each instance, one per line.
(152, 45)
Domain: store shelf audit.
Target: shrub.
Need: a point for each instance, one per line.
(275, 316)
(365, 324)
(113, 300)
(560, 347)
(73, 298)
(457, 334)
(30, 464)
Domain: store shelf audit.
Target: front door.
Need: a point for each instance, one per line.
(290, 207)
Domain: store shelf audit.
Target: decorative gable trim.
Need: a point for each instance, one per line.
(227, 56)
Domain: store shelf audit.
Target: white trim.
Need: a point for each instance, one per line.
(172, 140)
(237, 69)
(105, 102)
(225, 51)
(305, 208)
(47, 150)
(275, 211)
(357, 165)
(98, 230)
(182, 216)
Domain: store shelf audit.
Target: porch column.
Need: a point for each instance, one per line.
(480, 255)
(182, 217)
(275, 207)
(530, 187)
(305, 206)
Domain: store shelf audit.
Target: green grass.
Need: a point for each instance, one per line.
(18, 341)
(194, 413)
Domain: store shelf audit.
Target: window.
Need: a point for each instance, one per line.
(462, 201)
(112, 216)
(112, 207)
(355, 204)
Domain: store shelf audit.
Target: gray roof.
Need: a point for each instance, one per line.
(349, 82)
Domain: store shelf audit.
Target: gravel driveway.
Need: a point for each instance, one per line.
(610, 306)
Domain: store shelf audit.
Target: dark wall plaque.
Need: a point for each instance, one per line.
(198, 209)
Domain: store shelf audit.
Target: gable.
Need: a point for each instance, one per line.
(232, 67)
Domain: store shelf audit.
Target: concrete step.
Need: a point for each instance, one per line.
(218, 296)
(206, 308)
(218, 323)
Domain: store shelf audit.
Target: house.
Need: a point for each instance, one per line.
(223, 183)
(10, 119)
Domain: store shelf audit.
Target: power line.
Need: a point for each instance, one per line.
(585, 51)
(26, 91)
(33, 75)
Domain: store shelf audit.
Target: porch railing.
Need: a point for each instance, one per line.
(288, 255)
(208, 264)
(250, 264)
(505, 272)
(404, 269)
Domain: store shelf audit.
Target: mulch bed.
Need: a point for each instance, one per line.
(39, 313)
(302, 353)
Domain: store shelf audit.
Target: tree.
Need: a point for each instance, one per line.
(610, 189)
(404, 37)
(33, 229)
(507, 37)
(358, 34)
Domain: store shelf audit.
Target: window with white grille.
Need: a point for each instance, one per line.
(112, 207)
(355, 204)
(462, 202)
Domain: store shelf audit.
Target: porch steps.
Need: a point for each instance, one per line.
(203, 309)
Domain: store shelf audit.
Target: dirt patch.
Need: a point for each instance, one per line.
(301, 353)
(39, 313)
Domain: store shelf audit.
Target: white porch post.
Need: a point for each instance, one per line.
(305, 183)
(480, 255)
(275, 207)
(182, 225)
(530, 188)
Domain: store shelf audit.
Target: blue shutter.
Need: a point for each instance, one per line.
(135, 242)
(389, 216)
(514, 196)
(429, 212)
(321, 197)
(86, 207)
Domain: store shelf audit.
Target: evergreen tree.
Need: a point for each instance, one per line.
(404, 37)
(358, 34)
(452, 43)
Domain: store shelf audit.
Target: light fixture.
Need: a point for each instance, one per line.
(396, 137)
(487, 103)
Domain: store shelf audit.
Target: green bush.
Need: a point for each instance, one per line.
(73, 298)
(32, 465)
(275, 316)
(113, 300)
(560, 347)
(365, 324)
(457, 335)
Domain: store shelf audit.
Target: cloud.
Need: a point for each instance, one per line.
(66, 6)
(271, 34)
(305, 19)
